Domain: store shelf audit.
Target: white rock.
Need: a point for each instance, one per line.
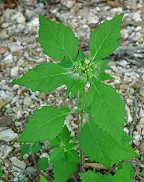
(18, 163)
(18, 18)
(14, 71)
(7, 134)
(17, 123)
(5, 150)
(93, 20)
(19, 114)
(8, 59)
(44, 155)
(34, 23)
(137, 16)
(28, 101)
(14, 47)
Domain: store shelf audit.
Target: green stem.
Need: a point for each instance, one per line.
(81, 123)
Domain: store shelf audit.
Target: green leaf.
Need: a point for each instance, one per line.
(36, 148)
(57, 40)
(101, 76)
(1, 173)
(142, 173)
(48, 77)
(96, 144)
(64, 158)
(25, 149)
(56, 155)
(64, 168)
(102, 64)
(43, 163)
(104, 39)
(101, 147)
(43, 179)
(45, 124)
(90, 176)
(126, 174)
(107, 108)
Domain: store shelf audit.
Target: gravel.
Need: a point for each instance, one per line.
(20, 51)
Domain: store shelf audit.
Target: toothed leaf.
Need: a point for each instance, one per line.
(48, 77)
(43, 163)
(104, 39)
(107, 108)
(45, 124)
(58, 41)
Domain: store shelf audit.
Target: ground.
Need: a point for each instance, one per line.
(20, 51)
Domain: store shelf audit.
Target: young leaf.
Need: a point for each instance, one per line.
(90, 176)
(1, 171)
(64, 158)
(142, 173)
(57, 40)
(43, 179)
(48, 77)
(107, 108)
(101, 76)
(104, 39)
(126, 174)
(43, 163)
(25, 149)
(36, 148)
(64, 167)
(101, 147)
(45, 124)
(102, 65)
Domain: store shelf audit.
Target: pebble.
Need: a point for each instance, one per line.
(18, 163)
(8, 59)
(28, 101)
(14, 47)
(5, 150)
(14, 71)
(18, 18)
(3, 35)
(6, 121)
(7, 134)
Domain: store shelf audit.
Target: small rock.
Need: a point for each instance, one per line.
(142, 147)
(14, 71)
(14, 47)
(32, 172)
(6, 121)
(123, 63)
(17, 162)
(5, 150)
(28, 101)
(7, 134)
(17, 123)
(137, 16)
(8, 59)
(3, 50)
(18, 18)
(3, 35)
(142, 91)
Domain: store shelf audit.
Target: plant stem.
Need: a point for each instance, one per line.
(81, 123)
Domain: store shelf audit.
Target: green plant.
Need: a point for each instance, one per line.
(100, 108)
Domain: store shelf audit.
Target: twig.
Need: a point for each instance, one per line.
(110, 171)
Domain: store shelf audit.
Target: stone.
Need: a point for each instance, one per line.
(28, 101)
(3, 50)
(137, 16)
(19, 163)
(6, 121)
(13, 47)
(32, 172)
(5, 150)
(14, 71)
(18, 18)
(8, 59)
(3, 35)
(17, 123)
(142, 91)
(7, 134)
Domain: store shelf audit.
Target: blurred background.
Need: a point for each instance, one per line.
(20, 51)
